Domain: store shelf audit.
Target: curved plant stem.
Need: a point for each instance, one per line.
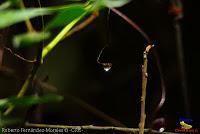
(60, 36)
(1, 55)
(133, 24)
(30, 77)
(1, 48)
(91, 127)
(28, 23)
(20, 94)
(30, 28)
(83, 24)
(144, 80)
(162, 82)
(18, 56)
(27, 82)
(67, 31)
(43, 52)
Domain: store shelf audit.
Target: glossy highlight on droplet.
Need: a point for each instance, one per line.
(106, 66)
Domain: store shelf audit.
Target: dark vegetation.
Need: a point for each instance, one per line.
(69, 86)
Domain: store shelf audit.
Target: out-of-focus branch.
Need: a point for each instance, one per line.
(1, 46)
(18, 56)
(39, 56)
(91, 127)
(30, 28)
(83, 24)
(28, 23)
(133, 24)
(30, 77)
(20, 94)
(176, 9)
(147, 38)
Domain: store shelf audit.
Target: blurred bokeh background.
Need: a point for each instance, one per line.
(72, 68)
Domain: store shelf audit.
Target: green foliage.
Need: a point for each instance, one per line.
(5, 120)
(93, 6)
(60, 36)
(9, 17)
(66, 13)
(114, 3)
(100, 4)
(8, 4)
(29, 100)
(65, 16)
(27, 39)
(5, 5)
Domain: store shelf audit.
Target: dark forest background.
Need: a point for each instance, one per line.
(73, 70)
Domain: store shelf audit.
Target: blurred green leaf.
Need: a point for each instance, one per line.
(4, 121)
(115, 3)
(108, 3)
(66, 15)
(29, 100)
(14, 2)
(10, 17)
(3, 102)
(27, 39)
(60, 36)
(5, 5)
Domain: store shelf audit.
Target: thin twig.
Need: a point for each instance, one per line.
(163, 89)
(30, 77)
(18, 56)
(162, 82)
(1, 55)
(20, 94)
(83, 24)
(133, 24)
(64, 32)
(30, 28)
(91, 127)
(144, 84)
(28, 23)
(1, 47)
(48, 48)
(108, 27)
(40, 57)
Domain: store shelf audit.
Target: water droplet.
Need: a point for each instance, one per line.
(159, 124)
(162, 129)
(106, 66)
